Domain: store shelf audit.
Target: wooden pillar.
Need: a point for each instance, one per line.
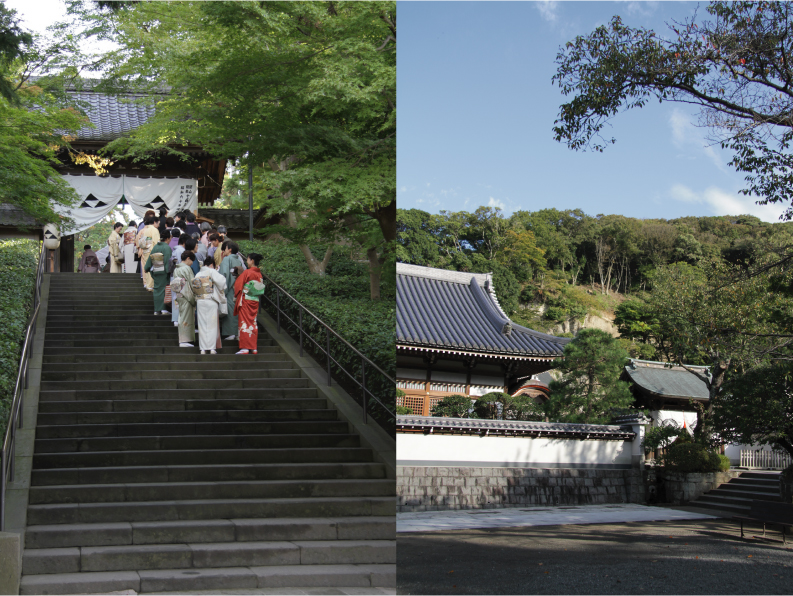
(67, 254)
(469, 363)
(429, 360)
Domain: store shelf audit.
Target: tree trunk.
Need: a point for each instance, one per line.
(375, 269)
(314, 265)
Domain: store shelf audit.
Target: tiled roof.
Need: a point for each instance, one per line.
(112, 116)
(456, 310)
(412, 423)
(660, 380)
(233, 219)
(11, 215)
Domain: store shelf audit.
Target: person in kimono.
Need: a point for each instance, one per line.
(113, 244)
(157, 267)
(247, 289)
(145, 241)
(174, 233)
(130, 264)
(181, 286)
(231, 259)
(89, 262)
(176, 259)
(190, 244)
(209, 288)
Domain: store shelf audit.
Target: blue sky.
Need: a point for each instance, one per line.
(476, 109)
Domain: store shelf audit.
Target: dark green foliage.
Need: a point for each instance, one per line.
(341, 301)
(454, 406)
(692, 458)
(402, 410)
(590, 387)
(503, 406)
(660, 437)
(18, 260)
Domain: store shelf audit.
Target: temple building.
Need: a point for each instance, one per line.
(454, 338)
(668, 390)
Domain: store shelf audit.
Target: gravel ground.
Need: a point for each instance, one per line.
(682, 557)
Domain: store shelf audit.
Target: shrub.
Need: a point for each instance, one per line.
(454, 406)
(691, 458)
(18, 260)
(340, 299)
(497, 405)
(404, 411)
(487, 406)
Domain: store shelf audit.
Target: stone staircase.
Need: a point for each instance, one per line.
(736, 495)
(157, 469)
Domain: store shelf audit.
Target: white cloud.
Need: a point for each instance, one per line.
(403, 189)
(688, 138)
(643, 9)
(721, 202)
(547, 10)
(494, 203)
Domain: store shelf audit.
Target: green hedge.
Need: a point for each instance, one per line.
(688, 458)
(18, 259)
(341, 299)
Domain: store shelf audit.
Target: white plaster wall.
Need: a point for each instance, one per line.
(413, 449)
(734, 451)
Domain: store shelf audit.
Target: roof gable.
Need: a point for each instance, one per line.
(458, 310)
(658, 378)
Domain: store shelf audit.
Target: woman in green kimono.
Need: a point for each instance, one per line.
(157, 266)
(229, 323)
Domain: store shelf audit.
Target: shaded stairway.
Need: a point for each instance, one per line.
(736, 496)
(157, 469)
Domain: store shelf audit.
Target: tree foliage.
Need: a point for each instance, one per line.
(304, 91)
(734, 67)
(589, 389)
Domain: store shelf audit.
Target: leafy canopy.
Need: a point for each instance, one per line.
(735, 68)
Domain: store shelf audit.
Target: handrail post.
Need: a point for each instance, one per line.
(327, 350)
(363, 388)
(278, 309)
(2, 491)
(300, 330)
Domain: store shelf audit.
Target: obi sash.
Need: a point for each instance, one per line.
(129, 237)
(202, 287)
(157, 262)
(253, 290)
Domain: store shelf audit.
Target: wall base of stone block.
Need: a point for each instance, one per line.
(429, 488)
(10, 562)
(683, 488)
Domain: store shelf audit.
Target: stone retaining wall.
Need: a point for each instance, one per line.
(427, 488)
(682, 488)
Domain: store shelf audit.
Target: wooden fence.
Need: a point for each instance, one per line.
(765, 460)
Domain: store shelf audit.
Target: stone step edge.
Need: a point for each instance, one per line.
(229, 578)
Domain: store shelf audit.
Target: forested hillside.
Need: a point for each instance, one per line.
(551, 267)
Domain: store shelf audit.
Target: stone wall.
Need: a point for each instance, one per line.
(786, 489)
(682, 488)
(427, 488)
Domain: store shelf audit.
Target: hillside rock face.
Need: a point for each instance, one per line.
(604, 323)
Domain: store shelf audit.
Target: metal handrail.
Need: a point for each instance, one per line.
(15, 415)
(326, 350)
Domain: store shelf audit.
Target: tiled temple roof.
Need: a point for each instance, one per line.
(460, 311)
(233, 219)
(658, 379)
(112, 116)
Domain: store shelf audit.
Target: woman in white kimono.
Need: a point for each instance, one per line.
(209, 288)
(113, 243)
(130, 264)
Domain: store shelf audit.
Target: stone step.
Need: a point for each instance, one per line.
(182, 405)
(84, 432)
(102, 459)
(81, 513)
(203, 531)
(332, 434)
(728, 490)
(716, 498)
(239, 372)
(721, 507)
(76, 370)
(58, 425)
(232, 489)
(227, 383)
(203, 472)
(752, 484)
(121, 353)
(114, 345)
(211, 579)
(205, 394)
(141, 557)
(174, 358)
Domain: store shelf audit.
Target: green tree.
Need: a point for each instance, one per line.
(454, 406)
(590, 387)
(735, 68)
(757, 407)
(304, 91)
(34, 125)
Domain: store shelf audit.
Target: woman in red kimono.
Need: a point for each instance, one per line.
(247, 289)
